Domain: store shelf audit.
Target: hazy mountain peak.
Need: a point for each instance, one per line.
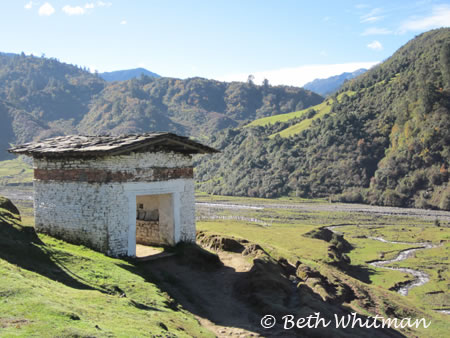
(126, 74)
(330, 85)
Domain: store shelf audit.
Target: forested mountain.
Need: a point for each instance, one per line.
(331, 84)
(384, 138)
(42, 97)
(127, 74)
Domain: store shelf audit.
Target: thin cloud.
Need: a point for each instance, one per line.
(28, 5)
(376, 31)
(89, 6)
(372, 16)
(46, 10)
(298, 76)
(439, 17)
(73, 10)
(375, 45)
(123, 22)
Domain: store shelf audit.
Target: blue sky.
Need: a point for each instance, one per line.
(288, 42)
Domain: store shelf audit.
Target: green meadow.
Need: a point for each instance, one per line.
(320, 111)
(15, 171)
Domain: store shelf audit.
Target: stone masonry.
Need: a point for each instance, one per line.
(110, 193)
(94, 210)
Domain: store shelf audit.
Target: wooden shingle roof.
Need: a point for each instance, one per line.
(93, 146)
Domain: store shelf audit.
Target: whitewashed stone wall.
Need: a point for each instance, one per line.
(101, 215)
(127, 163)
(187, 212)
(81, 213)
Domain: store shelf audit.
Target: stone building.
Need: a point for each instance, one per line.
(113, 192)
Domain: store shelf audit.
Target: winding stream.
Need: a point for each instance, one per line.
(420, 277)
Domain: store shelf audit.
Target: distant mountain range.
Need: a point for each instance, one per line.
(41, 97)
(329, 85)
(127, 74)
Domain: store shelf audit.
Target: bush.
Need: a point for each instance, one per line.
(393, 198)
(353, 196)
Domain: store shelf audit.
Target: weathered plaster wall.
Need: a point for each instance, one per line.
(163, 232)
(128, 163)
(102, 214)
(187, 212)
(80, 212)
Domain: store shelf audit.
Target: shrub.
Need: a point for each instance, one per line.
(393, 198)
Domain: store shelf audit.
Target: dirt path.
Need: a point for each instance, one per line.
(209, 298)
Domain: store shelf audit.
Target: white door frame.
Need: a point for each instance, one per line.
(132, 190)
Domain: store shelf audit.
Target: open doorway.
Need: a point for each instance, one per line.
(154, 224)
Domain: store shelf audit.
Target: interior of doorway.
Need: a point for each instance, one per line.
(154, 226)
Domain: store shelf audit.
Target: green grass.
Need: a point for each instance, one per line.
(15, 172)
(435, 262)
(322, 109)
(305, 124)
(284, 237)
(50, 288)
(47, 284)
(289, 116)
(294, 245)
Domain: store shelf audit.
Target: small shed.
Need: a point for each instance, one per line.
(113, 192)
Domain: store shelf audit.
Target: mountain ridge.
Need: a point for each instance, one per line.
(41, 98)
(386, 141)
(331, 84)
(126, 74)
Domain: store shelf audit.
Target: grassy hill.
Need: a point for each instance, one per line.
(50, 288)
(382, 139)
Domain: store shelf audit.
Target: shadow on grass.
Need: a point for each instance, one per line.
(360, 272)
(337, 253)
(20, 245)
(198, 281)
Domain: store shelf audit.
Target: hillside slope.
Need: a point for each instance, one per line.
(385, 140)
(41, 97)
(50, 288)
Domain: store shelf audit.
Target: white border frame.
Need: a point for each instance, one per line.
(132, 190)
